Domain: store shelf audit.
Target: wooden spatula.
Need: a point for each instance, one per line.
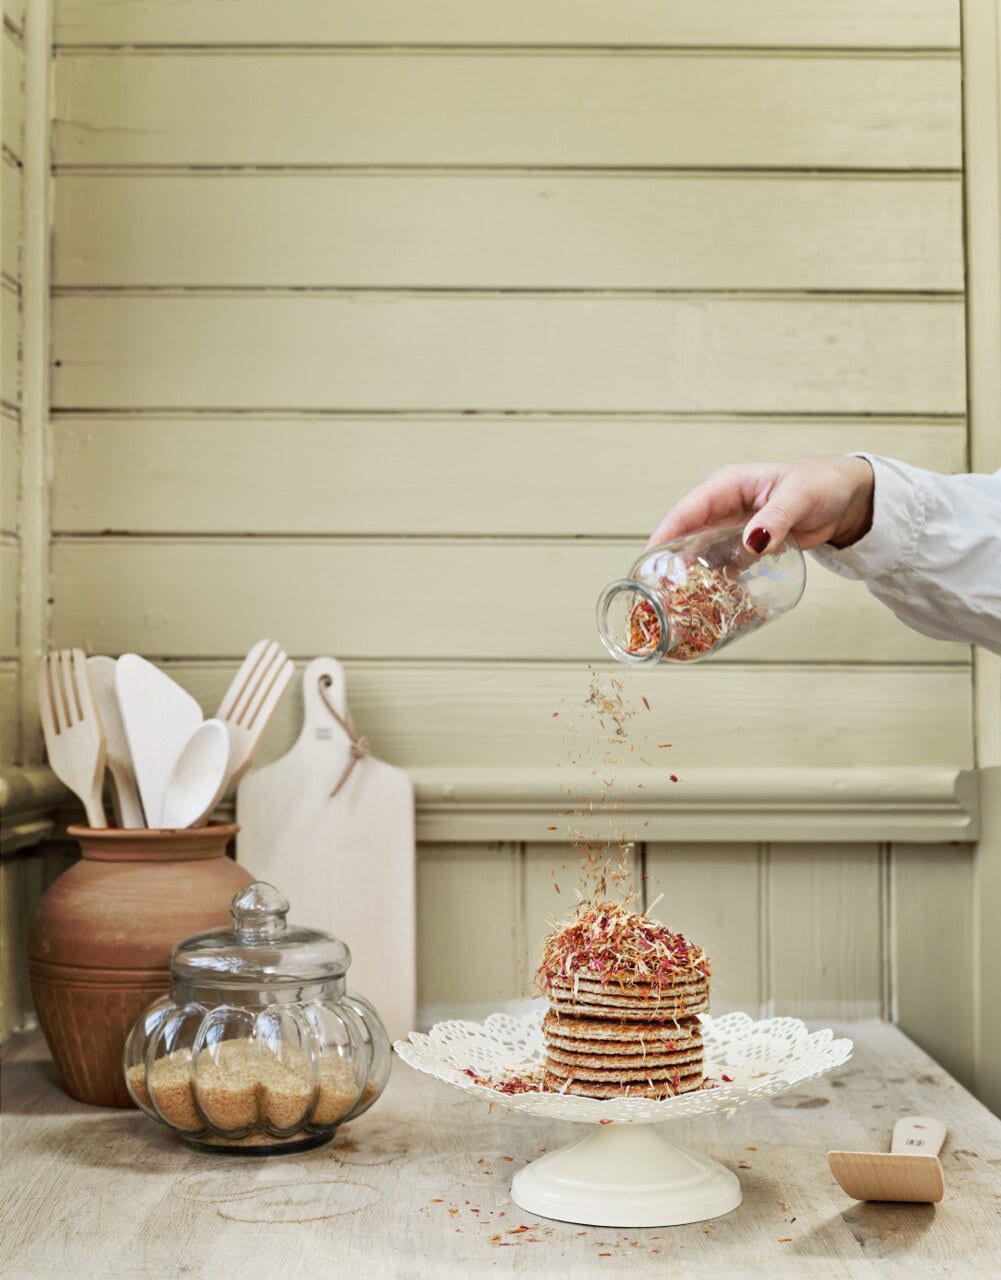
(159, 719)
(911, 1171)
(101, 671)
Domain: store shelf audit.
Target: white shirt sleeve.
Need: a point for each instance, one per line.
(933, 554)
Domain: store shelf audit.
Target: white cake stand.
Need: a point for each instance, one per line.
(624, 1172)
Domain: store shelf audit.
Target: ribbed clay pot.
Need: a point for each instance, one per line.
(101, 936)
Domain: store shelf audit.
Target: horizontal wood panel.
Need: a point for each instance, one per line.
(882, 112)
(450, 352)
(10, 721)
(907, 23)
(427, 599)
(10, 347)
(10, 472)
(711, 894)
(745, 802)
(462, 230)
(434, 475)
(431, 714)
(10, 220)
(10, 583)
(825, 931)
(11, 100)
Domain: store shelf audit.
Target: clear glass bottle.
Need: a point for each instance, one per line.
(259, 1048)
(684, 600)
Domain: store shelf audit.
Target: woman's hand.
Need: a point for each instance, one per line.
(817, 499)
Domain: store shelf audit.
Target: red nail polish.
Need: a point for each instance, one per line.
(758, 540)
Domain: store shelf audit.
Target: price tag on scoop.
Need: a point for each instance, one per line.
(335, 828)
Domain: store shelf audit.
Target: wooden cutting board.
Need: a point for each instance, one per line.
(345, 862)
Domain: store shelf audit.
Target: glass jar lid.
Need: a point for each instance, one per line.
(260, 947)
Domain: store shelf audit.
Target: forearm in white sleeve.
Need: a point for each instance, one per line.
(933, 553)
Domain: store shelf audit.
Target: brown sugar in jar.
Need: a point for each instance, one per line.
(259, 1046)
(242, 1085)
(169, 1090)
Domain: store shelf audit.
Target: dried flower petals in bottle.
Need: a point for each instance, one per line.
(684, 600)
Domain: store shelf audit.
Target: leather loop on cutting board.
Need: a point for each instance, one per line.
(359, 743)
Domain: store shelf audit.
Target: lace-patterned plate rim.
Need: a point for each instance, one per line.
(762, 1057)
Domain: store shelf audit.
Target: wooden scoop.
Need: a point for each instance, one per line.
(910, 1172)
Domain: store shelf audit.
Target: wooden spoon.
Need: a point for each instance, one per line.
(910, 1172)
(198, 779)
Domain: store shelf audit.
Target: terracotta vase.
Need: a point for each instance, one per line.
(101, 936)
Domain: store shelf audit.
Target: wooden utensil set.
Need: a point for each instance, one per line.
(167, 767)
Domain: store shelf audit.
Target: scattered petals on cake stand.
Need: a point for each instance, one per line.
(624, 1172)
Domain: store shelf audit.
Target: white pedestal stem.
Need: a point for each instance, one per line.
(626, 1175)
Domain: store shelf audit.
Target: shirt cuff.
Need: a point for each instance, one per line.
(898, 516)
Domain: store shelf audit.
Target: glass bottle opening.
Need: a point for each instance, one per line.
(632, 623)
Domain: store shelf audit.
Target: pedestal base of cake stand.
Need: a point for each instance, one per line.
(626, 1175)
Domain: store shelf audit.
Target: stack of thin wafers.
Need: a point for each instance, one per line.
(625, 1038)
(625, 995)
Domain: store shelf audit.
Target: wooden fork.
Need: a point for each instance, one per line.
(74, 735)
(250, 702)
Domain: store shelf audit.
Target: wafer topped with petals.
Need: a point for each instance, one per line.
(625, 994)
(606, 942)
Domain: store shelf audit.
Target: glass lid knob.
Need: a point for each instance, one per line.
(259, 911)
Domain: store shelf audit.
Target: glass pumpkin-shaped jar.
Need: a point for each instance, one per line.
(259, 1048)
(685, 600)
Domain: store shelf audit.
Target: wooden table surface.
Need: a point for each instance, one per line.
(420, 1187)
